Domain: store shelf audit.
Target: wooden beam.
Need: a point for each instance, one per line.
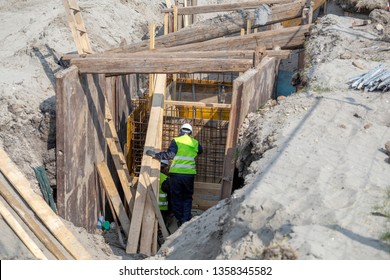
(165, 53)
(299, 21)
(161, 53)
(175, 20)
(229, 54)
(218, 27)
(156, 208)
(110, 65)
(77, 27)
(145, 179)
(286, 38)
(30, 222)
(149, 233)
(21, 233)
(168, 3)
(204, 9)
(119, 159)
(113, 195)
(41, 209)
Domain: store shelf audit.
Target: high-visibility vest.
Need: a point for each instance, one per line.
(162, 196)
(184, 160)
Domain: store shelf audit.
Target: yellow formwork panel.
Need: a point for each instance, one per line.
(190, 112)
(129, 136)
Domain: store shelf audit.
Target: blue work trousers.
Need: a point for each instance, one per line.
(182, 189)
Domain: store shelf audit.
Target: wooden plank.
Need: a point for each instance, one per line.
(212, 28)
(30, 222)
(175, 20)
(122, 171)
(231, 140)
(159, 65)
(149, 227)
(163, 53)
(206, 195)
(258, 87)
(286, 38)
(204, 9)
(77, 27)
(119, 161)
(41, 209)
(117, 225)
(168, 3)
(113, 195)
(299, 21)
(250, 91)
(186, 20)
(146, 168)
(21, 233)
(166, 24)
(80, 132)
(157, 211)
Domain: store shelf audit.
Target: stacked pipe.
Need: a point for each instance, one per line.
(376, 79)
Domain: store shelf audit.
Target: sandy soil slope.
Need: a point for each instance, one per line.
(315, 166)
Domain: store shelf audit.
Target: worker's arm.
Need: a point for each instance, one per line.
(200, 149)
(165, 186)
(170, 153)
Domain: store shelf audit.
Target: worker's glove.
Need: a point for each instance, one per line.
(150, 153)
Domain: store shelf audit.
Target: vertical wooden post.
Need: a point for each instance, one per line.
(151, 46)
(152, 35)
(186, 22)
(174, 76)
(248, 26)
(175, 18)
(166, 23)
(194, 3)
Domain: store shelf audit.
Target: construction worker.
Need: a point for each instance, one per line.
(182, 150)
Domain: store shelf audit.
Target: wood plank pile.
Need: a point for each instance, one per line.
(21, 186)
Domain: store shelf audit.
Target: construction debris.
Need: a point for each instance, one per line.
(377, 79)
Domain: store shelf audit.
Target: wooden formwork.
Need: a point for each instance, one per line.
(99, 83)
(81, 142)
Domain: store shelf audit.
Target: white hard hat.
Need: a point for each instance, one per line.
(164, 161)
(186, 128)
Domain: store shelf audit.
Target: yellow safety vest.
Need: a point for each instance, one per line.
(163, 197)
(184, 160)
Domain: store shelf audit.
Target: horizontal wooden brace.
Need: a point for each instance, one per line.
(219, 27)
(204, 9)
(164, 53)
(109, 65)
(286, 38)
